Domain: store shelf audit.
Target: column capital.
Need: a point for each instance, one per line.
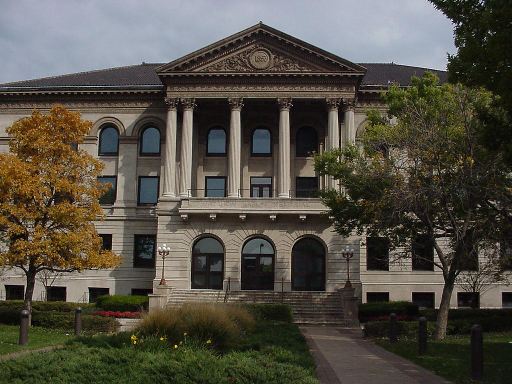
(332, 102)
(284, 102)
(236, 102)
(188, 103)
(171, 102)
(349, 104)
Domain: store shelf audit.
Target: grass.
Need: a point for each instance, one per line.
(450, 358)
(273, 352)
(38, 338)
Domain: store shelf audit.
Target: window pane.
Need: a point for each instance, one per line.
(377, 253)
(14, 292)
(56, 294)
(110, 196)
(148, 190)
(261, 187)
(109, 141)
(215, 187)
(306, 142)
(423, 299)
(468, 299)
(216, 263)
(423, 254)
(216, 143)
(94, 293)
(150, 141)
(306, 187)
(144, 255)
(258, 247)
(261, 142)
(208, 245)
(106, 242)
(200, 263)
(506, 298)
(377, 297)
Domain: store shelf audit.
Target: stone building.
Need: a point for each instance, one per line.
(211, 154)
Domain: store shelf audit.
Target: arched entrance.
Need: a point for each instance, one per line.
(258, 265)
(308, 265)
(207, 264)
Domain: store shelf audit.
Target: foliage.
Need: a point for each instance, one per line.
(372, 311)
(405, 329)
(474, 314)
(425, 175)
(482, 279)
(118, 314)
(49, 198)
(45, 306)
(38, 338)
(130, 303)
(277, 312)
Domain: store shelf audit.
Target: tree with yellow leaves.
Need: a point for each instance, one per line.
(49, 198)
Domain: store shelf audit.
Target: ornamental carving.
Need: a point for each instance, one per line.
(188, 103)
(171, 102)
(284, 103)
(332, 103)
(236, 102)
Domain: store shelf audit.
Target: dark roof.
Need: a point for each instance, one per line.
(144, 76)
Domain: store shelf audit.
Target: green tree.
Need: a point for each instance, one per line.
(49, 198)
(425, 175)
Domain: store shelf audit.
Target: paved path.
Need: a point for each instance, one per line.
(15, 355)
(343, 356)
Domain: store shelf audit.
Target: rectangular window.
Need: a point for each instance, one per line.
(110, 196)
(148, 190)
(468, 300)
(14, 292)
(377, 254)
(261, 187)
(506, 254)
(506, 299)
(106, 242)
(424, 299)
(94, 293)
(141, 291)
(144, 251)
(306, 187)
(55, 293)
(215, 186)
(422, 253)
(377, 297)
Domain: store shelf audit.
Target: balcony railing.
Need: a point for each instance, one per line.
(213, 193)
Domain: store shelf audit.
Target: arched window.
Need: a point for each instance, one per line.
(109, 141)
(150, 142)
(216, 142)
(258, 265)
(306, 142)
(308, 265)
(207, 264)
(261, 142)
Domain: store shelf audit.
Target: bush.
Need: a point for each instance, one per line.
(123, 303)
(66, 321)
(222, 324)
(380, 311)
(458, 314)
(408, 329)
(276, 312)
(44, 306)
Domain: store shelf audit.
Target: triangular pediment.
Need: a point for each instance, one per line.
(260, 50)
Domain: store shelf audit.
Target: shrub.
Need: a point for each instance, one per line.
(376, 311)
(457, 314)
(407, 329)
(118, 315)
(56, 320)
(45, 306)
(123, 303)
(276, 312)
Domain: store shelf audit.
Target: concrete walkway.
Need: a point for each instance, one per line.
(344, 356)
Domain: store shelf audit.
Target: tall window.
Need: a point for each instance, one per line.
(148, 190)
(150, 142)
(423, 253)
(258, 265)
(261, 187)
(109, 197)
(106, 242)
(261, 142)
(216, 142)
(308, 265)
(469, 260)
(306, 187)
(207, 264)
(306, 142)
(377, 254)
(109, 142)
(215, 186)
(144, 251)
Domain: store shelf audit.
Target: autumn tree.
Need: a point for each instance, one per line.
(49, 198)
(426, 174)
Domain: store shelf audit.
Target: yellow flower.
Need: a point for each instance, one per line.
(134, 342)
(181, 342)
(163, 338)
(133, 339)
(208, 341)
(175, 346)
(184, 333)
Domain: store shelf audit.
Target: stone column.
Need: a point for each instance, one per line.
(284, 147)
(126, 200)
(186, 147)
(235, 147)
(169, 157)
(333, 132)
(350, 129)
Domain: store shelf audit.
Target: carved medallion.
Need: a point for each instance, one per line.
(260, 58)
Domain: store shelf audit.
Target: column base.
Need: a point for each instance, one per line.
(284, 195)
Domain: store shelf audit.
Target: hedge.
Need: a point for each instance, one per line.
(123, 303)
(407, 329)
(45, 306)
(378, 311)
(464, 314)
(276, 312)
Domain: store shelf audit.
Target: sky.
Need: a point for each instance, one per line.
(40, 38)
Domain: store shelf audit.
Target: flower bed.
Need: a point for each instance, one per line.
(118, 314)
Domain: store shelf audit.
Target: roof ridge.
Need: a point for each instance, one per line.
(405, 65)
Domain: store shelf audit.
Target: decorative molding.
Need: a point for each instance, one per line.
(242, 217)
(284, 102)
(333, 103)
(273, 218)
(213, 217)
(302, 218)
(184, 217)
(349, 104)
(236, 102)
(188, 103)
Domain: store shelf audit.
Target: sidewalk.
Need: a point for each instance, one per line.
(343, 356)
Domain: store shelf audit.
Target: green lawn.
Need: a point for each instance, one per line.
(275, 353)
(450, 358)
(38, 338)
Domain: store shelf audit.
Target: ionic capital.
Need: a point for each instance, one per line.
(236, 102)
(188, 103)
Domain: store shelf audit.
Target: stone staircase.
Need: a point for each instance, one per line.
(324, 308)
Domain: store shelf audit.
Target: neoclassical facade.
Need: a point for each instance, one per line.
(212, 155)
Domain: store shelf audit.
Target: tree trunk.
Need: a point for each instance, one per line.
(444, 307)
(29, 292)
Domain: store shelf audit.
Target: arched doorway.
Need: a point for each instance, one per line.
(207, 264)
(308, 265)
(258, 265)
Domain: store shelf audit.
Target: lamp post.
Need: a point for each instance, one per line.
(164, 252)
(347, 254)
